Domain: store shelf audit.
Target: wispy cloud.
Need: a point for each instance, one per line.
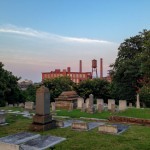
(44, 35)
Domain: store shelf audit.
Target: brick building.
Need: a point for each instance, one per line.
(76, 77)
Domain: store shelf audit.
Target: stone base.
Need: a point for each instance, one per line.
(111, 129)
(80, 126)
(42, 119)
(43, 127)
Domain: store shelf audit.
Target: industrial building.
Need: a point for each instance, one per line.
(77, 77)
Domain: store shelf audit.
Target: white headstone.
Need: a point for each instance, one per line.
(53, 106)
(110, 101)
(87, 102)
(80, 101)
(122, 105)
(100, 101)
(29, 105)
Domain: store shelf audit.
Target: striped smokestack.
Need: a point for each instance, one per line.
(101, 68)
(80, 66)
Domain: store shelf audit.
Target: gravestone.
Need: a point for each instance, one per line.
(100, 101)
(100, 108)
(113, 108)
(122, 105)
(130, 104)
(42, 120)
(53, 106)
(15, 105)
(83, 107)
(85, 126)
(87, 102)
(28, 141)
(80, 101)
(42, 142)
(12, 142)
(80, 126)
(108, 129)
(21, 104)
(110, 101)
(113, 128)
(90, 108)
(2, 118)
(29, 105)
(137, 101)
(10, 105)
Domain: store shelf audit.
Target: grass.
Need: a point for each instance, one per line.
(77, 114)
(136, 113)
(135, 138)
(130, 112)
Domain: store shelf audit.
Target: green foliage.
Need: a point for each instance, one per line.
(99, 88)
(58, 85)
(145, 95)
(30, 93)
(9, 90)
(131, 68)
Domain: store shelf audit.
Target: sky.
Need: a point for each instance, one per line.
(43, 35)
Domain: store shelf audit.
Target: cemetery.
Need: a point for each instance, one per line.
(74, 128)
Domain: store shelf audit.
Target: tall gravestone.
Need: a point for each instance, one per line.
(137, 101)
(90, 108)
(42, 120)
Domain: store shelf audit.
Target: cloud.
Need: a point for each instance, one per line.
(44, 35)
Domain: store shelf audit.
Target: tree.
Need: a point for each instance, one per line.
(30, 93)
(58, 85)
(99, 88)
(9, 91)
(130, 68)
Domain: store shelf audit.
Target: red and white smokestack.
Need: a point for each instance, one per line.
(80, 66)
(101, 68)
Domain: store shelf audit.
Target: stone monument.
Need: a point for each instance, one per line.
(90, 108)
(42, 120)
(137, 101)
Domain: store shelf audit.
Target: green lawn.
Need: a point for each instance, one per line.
(130, 112)
(135, 138)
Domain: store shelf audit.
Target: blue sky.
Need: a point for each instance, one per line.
(38, 36)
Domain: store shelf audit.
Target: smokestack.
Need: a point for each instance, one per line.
(68, 69)
(80, 66)
(101, 68)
